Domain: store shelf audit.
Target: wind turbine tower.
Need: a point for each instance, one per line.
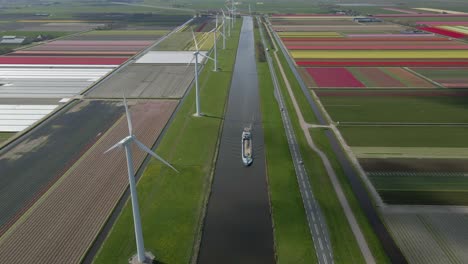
(233, 13)
(215, 49)
(126, 143)
(226, 18)
(197, 90)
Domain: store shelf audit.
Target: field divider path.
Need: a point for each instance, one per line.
(365, 250)
(424, 77)
(312, 208)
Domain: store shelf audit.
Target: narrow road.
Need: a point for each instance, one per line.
(238, 226)
(316, 221)
(360, 191)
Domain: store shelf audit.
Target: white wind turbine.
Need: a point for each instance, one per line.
(127, 144)
(215, 40)
(224, 23)
(197, 90)
(232, 10)
(224, 29)
(214, 30)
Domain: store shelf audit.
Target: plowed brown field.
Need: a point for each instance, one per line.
(62, 226)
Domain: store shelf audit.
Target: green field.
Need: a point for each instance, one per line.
(172, 204)
(421, 188)
(176, 41)
(64, 9)
(405, 136)
(410, 152)
(33, 34)
(444, 73)
(4, 136)
(404, 109)
(293, 243)
(127, 32)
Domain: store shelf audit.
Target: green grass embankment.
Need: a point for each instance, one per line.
(293, 242)
(345, 248)
(4, 136)
(321, 140)
(406, 136)
(172, 204)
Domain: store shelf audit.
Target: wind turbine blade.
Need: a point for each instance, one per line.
(195, 40)
(149, 151)
(208, 57)
(129, 118)
(221, 33)
(190, 62)
(118, 144)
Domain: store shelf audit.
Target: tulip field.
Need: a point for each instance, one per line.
(398, 95)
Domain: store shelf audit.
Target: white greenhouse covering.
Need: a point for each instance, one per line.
(15, 118)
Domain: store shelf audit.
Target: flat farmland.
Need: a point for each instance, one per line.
(438, 237)
(448, 77)
(120, 35)
(146, 81)
(389, 91)
(385, 28)
(324, 34)
(47, 82)
(288, 22)
(365, 38)
(390, 78)
(353, 44)
(62, 60)
(408, 187)
(400, 109)
(395, 62)
(333, 77)
(411, 152)
(384, 54)
(449, 31)
(184, 41)
(377, 47)
(33, 25)
(177, 41)
(52, 52)
(406, 136)
(5, 136)
(360, 77)
(74, 211)
(59, 142)
(87, 45)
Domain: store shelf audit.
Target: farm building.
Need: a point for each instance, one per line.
(12, 40)
(366, 19)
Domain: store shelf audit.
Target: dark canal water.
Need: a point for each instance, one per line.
(238, 227)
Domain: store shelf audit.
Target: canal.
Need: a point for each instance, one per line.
(238, 227)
